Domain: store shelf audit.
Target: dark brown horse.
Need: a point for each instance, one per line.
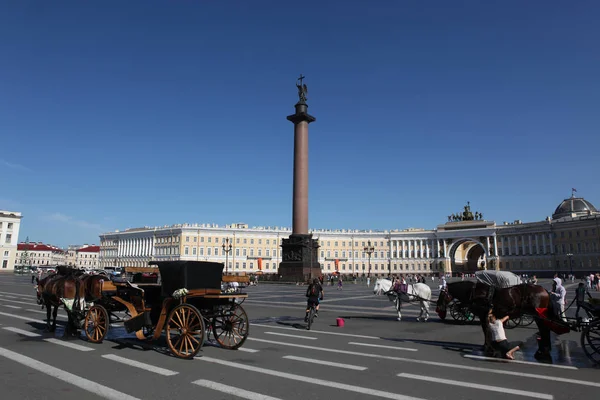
(514, 301)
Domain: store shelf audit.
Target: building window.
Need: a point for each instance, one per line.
(6, 253)
(186, 250)
(10, 225)
(208, 250)
(5, 264)
(237, 252)
(193, 251)
(187, 239)
(8, 238)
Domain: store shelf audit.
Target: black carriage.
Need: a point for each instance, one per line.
(187, 304)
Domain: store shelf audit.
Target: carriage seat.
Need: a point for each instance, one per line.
(591, 308)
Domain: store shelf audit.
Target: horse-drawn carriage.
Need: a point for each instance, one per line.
(187, 305)
(460, 306)
(505, 295)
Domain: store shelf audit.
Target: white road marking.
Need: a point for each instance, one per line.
(312, 381)
(337, 308)
(137, 364)
(244, 394)
(90, 386)
(323, 332)
(329, 363)
(22, 332)
(382, 346)
(23, 318)
(44, 312)
(502, 360)
(29, 303)
(67, 344)
(478, 386)
(18, 294)
(294, 336)
(434, 363)
(248, 350)
(9, 306)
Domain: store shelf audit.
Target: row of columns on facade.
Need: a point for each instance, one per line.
(408, 248)
(429, 248)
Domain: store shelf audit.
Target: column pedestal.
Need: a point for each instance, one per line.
(300, 258)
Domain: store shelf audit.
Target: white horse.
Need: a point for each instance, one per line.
(414, 292)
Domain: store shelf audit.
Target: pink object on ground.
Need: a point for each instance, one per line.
(340, 322)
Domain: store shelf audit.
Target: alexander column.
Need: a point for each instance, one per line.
(300, 260)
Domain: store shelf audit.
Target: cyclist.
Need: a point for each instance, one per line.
(314, 294)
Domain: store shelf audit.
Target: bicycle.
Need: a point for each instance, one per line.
(311, 316)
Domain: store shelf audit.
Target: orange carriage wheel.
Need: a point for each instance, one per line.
(185, 331)
(231, 327)
(96, 324)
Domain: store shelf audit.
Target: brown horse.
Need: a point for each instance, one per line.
(514, 301)
(51, 290)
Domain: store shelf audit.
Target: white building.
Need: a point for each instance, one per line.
(39, 255)
(88, 257)
(10, 222)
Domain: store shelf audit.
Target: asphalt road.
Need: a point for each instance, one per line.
(372, 356)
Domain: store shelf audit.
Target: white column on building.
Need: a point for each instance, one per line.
(487, 242)
(495, 246)
(551, 243)
(445, 248)
(544, 243)
(403, 248)
(530, 249)
(537, 244)
(421, 247)
(517, 245)
(396, 248)
(427, 248)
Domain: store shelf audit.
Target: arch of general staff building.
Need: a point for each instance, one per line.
(568, 242)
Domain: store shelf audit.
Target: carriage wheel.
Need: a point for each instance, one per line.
(185, 331)
(512, 323)
(454, 311)
(96, 324)
(590, 341)
(526, 320)
(230, 327)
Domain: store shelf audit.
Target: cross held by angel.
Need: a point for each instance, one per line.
(302, 89)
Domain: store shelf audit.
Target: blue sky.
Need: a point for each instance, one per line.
(117, 114)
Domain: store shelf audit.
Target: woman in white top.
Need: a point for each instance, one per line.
(498, 337)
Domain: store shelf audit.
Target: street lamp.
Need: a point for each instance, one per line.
(369, 250)
(570, 255)
(227, 249)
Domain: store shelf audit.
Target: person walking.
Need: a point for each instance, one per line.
(558, 296)
(340, 283)
(580, 293)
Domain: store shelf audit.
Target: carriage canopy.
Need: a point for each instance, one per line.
(498, 279)
(189, 275)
